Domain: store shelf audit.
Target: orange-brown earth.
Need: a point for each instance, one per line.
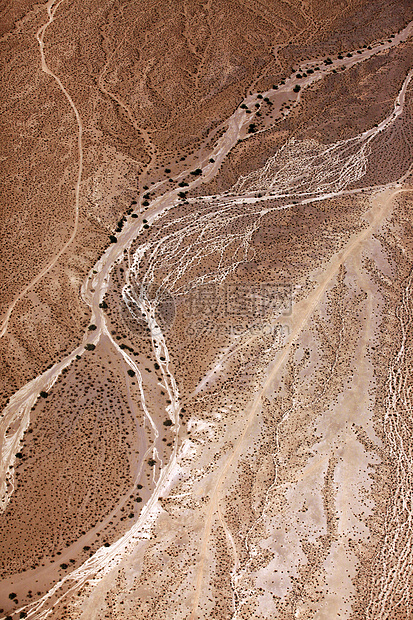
(149, 83)
(250, 460)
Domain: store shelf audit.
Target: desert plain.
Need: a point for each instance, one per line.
(206, 310)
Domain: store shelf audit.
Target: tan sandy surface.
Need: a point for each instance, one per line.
(206, 311)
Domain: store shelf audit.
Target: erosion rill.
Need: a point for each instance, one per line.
(206, 326)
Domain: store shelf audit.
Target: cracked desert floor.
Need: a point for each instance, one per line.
(206, 310)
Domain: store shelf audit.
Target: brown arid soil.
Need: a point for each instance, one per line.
(149, 84)
(206, 310)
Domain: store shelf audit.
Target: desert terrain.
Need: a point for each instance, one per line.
(206, 318)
